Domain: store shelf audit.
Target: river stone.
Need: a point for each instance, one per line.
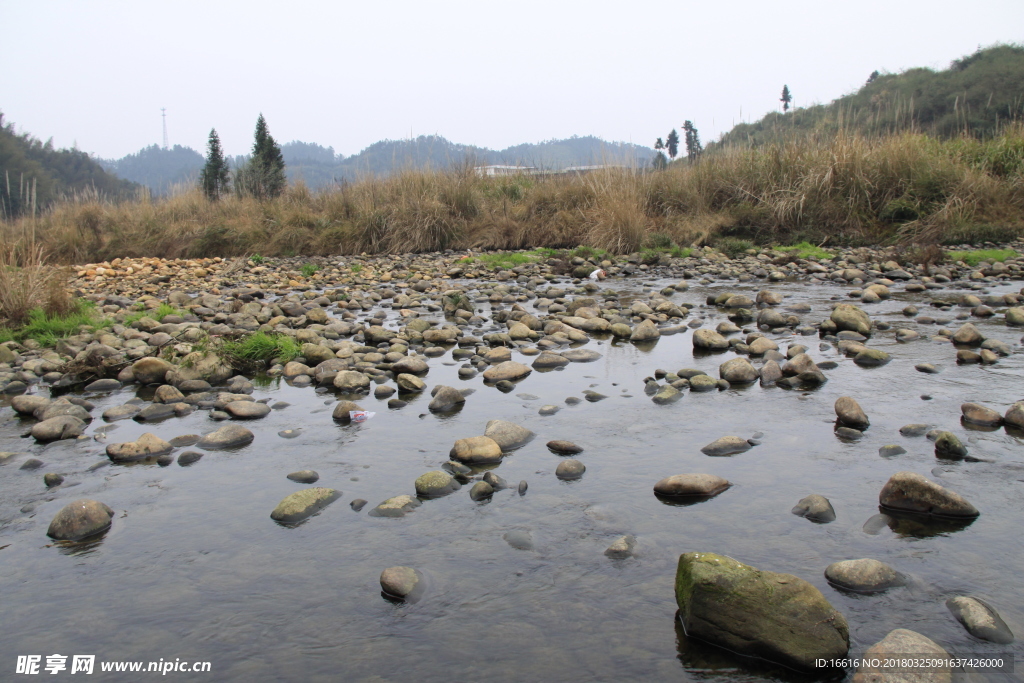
(398, 506)
(496, 482)
(410, 383)
(301, 505)
(60, 408)
(870, 358)
(80, 519)
(481, 490)
(948, 445)
(570, 469)
(701, 383)
(1015, 415)
(679, 485)
(124, 412)
(436, 483)
(150, 370)
(476, 450)
(850, 413)
(146, 446)
(350, 381)
(581, 355)
(508, 435)
(342, 410)
(165, 393)
(519, 539)
(509, 370)
(770, 373)
(445, 399)
(968, 335)
(738, 371)
(777, 617)
(645, 331)
(28, 404)
(915, 429)
(980, 415)
(901, 642)
(849, 433)
(564, 447)
(666, 395)
(710, 340)
(980, 619)
(1015, 316)
(761, 346)
(911, 492)
(864, 575)
(304, 476)
(247, 410)
(891, 450)
(57, 428)
(547, 359)
(815, 508)
(726, 445)
(228, 436)
(412, 365)
(400, 582)
(621, 548)
(852, 318)
(189, 457)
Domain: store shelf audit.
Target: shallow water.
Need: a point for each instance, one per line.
(194, 568)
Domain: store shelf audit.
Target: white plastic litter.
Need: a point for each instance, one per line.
(360, 415)
(598, 275)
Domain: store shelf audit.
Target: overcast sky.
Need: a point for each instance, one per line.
(347, 74)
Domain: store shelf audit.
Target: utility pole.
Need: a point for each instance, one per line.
(163, 112)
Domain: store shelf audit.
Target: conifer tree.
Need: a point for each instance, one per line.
(214, 179)
(693, 146)
(263, 176)
(786, 98)
(672, 144)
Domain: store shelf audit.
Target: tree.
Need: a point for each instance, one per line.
(672, 144)
(786, 98)
(693, 146)
(214, 179)
(263, 175)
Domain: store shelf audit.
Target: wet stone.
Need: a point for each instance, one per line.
(863, 576)
(562, 447)
(304, 477)
(189, 457)
(519, 539)
(621, 548)
(891, 450)
(570, 469)
(80, 519)
(303, 504)
(726, 445)
(980, 619)
(815, 508)
(914, 430)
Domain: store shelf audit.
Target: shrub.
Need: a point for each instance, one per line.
(261, 347)
(732, 247)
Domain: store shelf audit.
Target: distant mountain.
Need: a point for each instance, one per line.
(33, 173)
(319, 167)
(976, 95)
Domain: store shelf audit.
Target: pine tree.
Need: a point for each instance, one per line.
(214, 179)
(672, 144)
(660, 162)
(693, 146)
(786, 98)
(263, 176)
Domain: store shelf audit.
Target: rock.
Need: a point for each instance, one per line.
(446, 399)
(761, 346)
(165, 393)
(57, 428)
(980, 619)
(496, 482)
(519, 539)
(28, 404)
(31, 464)
(476, 450)
(80, 519)
(509, 370)
(914, 429)
(852, 318)
(350, 381)
(927, 368)
(156, 412)
(980, 415)
(564, 447)
(777, 617)
(645, 331)
(947, 445)
(547, 359)
(62, 407)
(738, 371)
(436, 483)
(701, 383)
(850, 413)
(770, 373)
(410, 383)
(901, 643)
(871, 358)
(146, 446)
(891, 450)
(849, 433)
(412, 365)
(124, 412)
(400, 582)
(666, 395)
(228, 436)
(570, 469)
(303, 504)
(1015, 415)
(621, 548)
(51, 479)
(815, 508)
(151, 370)
(189, 457)
(709, 340)
(1015, 316)
(913, 493)
(342, 411)
(358, 504)
(726, 445)
(968, 335)
(581, 355)
(247, 410)
(397, 506)
(685, 485)
(863, 576)
(304, 476)
(481, 490)
(508, 435)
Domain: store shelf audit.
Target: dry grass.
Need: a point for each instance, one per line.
(27, 282)
(841, 188)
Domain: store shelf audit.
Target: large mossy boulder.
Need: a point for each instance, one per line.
(777, 617)
(852, 318)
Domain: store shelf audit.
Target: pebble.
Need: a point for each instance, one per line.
(564, 447)
(726, 445)
(303, 476)
(863, 576)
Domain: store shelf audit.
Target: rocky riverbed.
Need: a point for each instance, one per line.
(543, 448)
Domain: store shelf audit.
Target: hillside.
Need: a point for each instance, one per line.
(32, 172)
(976, 95)
(157, 168)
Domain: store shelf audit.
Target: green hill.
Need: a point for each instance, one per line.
(34, 174)
(976, 95)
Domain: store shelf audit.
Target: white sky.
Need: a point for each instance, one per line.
(347, 74)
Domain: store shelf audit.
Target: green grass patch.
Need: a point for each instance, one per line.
(505, 259)
(49, 329)
(356, 267)
(733, 247)
(256, 259)
(973, 258)
(158, 314)
(262, 347)
(309, 269)
(589, 252)
(806, 250)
